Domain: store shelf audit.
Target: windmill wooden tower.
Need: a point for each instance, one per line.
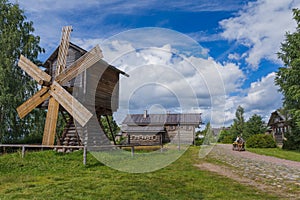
(53, 87)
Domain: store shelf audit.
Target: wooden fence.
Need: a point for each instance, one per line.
(24, 146)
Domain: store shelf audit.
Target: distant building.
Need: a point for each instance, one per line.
(216, 131)
(278, 126)
(156, 129)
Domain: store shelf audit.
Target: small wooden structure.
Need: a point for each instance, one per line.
(156, 129)
(278, 126)
(71, 69)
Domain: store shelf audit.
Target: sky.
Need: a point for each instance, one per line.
(182, 56)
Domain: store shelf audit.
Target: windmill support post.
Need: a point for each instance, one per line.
(84, 155)
(110, 129)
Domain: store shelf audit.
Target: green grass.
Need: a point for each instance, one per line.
(277, 152)
(50, 175)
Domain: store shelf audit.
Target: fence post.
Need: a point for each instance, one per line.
(179, 137)
(132, 151)
(84, 155)
(23, 151)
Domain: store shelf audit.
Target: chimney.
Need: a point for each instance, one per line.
(145, 113)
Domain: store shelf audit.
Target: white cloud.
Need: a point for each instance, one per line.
(261, 26)
(159, 79)
(263, 95)
(87, 44)
(162, 77)
(88, 17)
(234, 56)
(261, 98)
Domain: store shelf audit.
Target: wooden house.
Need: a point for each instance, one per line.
(278, 126)
(156, 129)
(97, 87)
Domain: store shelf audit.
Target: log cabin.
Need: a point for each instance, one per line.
(278, 126)
(158, 129)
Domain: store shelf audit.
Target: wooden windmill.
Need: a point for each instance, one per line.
(51, 87)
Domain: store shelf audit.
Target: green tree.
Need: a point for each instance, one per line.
(226, 137)
(16, 37)
(238, 126)
(287, 78)
(254, 125)
(205, 136)
(110, 127)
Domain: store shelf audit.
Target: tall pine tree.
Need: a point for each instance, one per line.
(288, 79)
(238, 126)
(16, 37)
(253, 126)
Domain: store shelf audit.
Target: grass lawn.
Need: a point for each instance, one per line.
(50, 175)
(277, 152)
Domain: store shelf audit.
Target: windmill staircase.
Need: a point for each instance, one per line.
(91, 136)
(70, 136)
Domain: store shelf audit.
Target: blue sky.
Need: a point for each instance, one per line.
(232, 43)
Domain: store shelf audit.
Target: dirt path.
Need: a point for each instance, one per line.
(279, 176)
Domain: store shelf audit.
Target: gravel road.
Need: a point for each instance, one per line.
(264, 172)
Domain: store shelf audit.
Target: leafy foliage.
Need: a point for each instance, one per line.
(16, 38)
(205, 136)
(109, 124)
(254, 125)
(226, 137)
(238, 125)
(287, 78)
(261, 141)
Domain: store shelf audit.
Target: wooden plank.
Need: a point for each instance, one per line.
(33, 102)
(72, 106)
(50, 124)
(32, 70)
(63, 49)
(80, 65)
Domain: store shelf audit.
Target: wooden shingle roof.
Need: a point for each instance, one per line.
(163, 119)
(53, 56)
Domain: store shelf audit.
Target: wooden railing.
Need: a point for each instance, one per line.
(24, 146)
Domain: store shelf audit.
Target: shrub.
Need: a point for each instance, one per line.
(199, 141)
(261, 141)
(228, 139)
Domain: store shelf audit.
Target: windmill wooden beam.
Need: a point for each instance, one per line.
(52, 87)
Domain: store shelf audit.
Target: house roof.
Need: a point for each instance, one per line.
(163, 119)
(143, 129)
(278, 115)
(82, 51)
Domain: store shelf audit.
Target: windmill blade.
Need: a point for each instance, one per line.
(63, 49)
(50, 124)
(34, 71)
(74, 107)
(80, 65)
(33, 102)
